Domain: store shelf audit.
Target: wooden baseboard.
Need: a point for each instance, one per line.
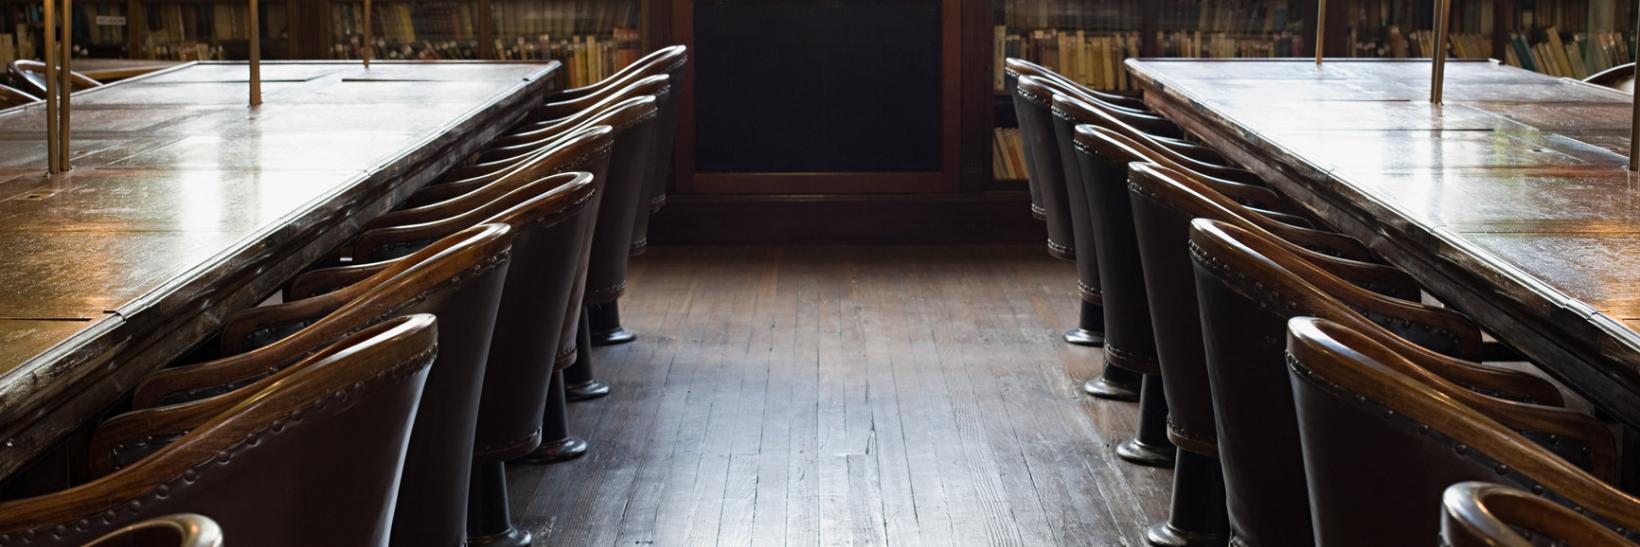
(926, 219)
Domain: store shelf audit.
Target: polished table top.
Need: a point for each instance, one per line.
(1517, 179)
(185, 204)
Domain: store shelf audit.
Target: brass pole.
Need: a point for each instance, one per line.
(66, 74)
(1634, 126)
(1320, 29)
(367, 44)
(53, 159)
(1438, 77)
(256, 57)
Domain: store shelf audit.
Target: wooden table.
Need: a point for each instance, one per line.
(1510, 201)
(185, 205)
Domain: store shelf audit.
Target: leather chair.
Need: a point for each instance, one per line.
(1247, 287)
(670, 61)
(311, 458)
(1130, 342)
(181, 530)
(1620, 77)
(31, 76)
(459, 279)
(11, 96)
(551, 219)
(1383, 438)
(1484, 514)
(1021, 67)
(1046, 172)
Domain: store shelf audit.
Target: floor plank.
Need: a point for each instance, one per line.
(846, 396)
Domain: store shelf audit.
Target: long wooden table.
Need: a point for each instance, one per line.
(185, 205)
(1509, 201)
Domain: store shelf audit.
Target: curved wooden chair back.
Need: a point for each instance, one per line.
(1150, 124)
(1016, 68)
(1162, 211)
(180, 530)
(1381, 444)
(1245, 299)
(1124, 149)
(32, 75)
(350, 410)
(460, 280)
(662, 62)
(1620, 77)
(11, 96)
(1483, 514)
(669, 56)
(568, 153)
(621, 119)
(551, 222)
(1072, 111)
(534, 136)
(1045, 166)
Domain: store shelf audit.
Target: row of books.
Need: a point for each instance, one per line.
(100, 24)
(1422, 44)
(1230, 16)
(587, 59)
(406, 23)
(1092, 59)
(18, 45)
(188, 24)
(1007, 155)
(426, 50)
(1585, 54)
(1225, 45)
(185, 51)
(1375, 19)
(1077, 14)
(563, 17)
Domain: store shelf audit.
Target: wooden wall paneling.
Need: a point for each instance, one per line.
(135, 26)
(951, 14)
(484, 19)
(683, 32)
(978, 115)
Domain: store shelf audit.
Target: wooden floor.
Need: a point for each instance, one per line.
(846, 396)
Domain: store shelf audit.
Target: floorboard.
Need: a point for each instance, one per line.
(845, 396)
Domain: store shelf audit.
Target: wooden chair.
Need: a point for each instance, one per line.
(11, 96)
(311, 458)
(1020, 67)
(1246, 289)
(1100, 183)
(31, 76)
(1162, 210)
(1484, 514)
(459, 279)
(1620, 77)
(550, 218)
(181, 530)
(1383, 438)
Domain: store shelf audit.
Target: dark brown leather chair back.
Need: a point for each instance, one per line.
(534, 332)
(1620, 77)
(312, 459)
(1045, 171)
(459, 279)
(625, 195)
(1383, 440)
(11, 96)
(1245, 298)
(1483, 514)
(181, 530)
(1071, 110)
(533, 137)
(31, 75)
(1129, 338)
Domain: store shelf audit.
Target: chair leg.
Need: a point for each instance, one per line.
(489, 522)
(1090, 328)
(557, 445)
(1149, 446)
(1115, 383)
(606, 326)
(579, 385)
(1198, 517)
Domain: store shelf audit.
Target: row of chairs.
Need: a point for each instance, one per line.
(378, 399)
(1298, 385)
